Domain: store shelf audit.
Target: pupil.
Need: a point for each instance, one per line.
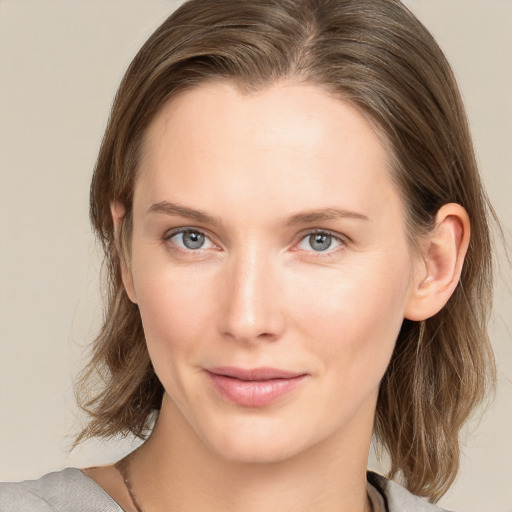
(193, 239)
(320, 242)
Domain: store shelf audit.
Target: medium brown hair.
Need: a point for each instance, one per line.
(376, 55)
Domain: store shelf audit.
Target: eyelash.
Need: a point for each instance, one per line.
(336, 237)
(330, 252)
(168, 236)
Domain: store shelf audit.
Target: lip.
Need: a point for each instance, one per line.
(254, 387)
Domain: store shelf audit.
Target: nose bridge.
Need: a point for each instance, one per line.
(251, 310)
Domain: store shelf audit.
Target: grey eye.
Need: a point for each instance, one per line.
(190, 239)
(193, 239)
(320, 241)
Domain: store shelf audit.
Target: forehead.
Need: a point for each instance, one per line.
(287, 111)
(289, 143)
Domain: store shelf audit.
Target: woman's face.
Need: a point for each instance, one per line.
(271, 267)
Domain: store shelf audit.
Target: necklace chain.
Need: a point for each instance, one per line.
(122, 467)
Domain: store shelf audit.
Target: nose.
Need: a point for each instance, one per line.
(251, 309)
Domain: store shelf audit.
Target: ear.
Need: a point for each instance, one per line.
(438, 272)
(117, 210)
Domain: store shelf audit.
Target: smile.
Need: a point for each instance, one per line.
(255, 387)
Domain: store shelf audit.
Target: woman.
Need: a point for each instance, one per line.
(299, 258)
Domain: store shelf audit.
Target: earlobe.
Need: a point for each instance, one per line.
(117, 210)
(439, 271)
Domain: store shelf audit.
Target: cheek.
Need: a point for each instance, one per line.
(176, 310)
(355, 317)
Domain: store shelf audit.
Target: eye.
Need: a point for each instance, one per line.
(189, 239)
(320, 241)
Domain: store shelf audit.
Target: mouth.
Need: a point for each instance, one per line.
(254, 387)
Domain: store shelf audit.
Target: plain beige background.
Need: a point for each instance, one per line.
(60, 63)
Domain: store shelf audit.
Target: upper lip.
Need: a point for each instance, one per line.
(262, 373)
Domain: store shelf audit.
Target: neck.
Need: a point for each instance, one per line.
(174, 470)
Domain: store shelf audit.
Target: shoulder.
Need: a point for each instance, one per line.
(60, 491)
(399, 499)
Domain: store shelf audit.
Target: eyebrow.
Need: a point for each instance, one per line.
(182, 211)
(300, 218)
(324, 214)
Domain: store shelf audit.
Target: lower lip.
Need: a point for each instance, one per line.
(254, 393)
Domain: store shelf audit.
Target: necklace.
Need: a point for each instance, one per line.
(122, 467)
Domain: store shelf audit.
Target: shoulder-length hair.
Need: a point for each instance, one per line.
(377, 56)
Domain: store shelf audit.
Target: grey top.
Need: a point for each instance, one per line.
(70, 490)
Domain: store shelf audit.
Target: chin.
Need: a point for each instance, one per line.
(247, 453)
(257, 444)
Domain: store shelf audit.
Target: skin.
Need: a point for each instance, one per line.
(257, 293)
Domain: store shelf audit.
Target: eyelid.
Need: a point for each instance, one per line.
(342, 239)
(184, 229)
